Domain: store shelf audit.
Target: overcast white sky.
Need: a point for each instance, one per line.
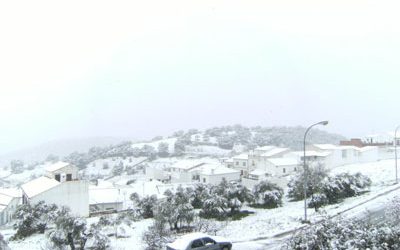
(146, 68)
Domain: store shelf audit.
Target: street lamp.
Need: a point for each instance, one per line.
(395, 150)
(305, 169)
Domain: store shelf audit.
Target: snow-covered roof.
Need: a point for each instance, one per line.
(274, 151)
(216, 169)
(241, 157)
(13, 192)
(283, 161)
(104, 195)
(265, 148)
(187, 164)
(5, 199)
(311, 153)
(56, 166)
(367, 148)
(326, 146)
(258, 172)
(230, 160)
(148, 188)
(39, 185)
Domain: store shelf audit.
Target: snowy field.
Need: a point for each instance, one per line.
(266, 223)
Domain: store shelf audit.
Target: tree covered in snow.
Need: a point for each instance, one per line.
(30, 219)
(118, 169)
(315, 175)
(16, 166)
(176, 210)
(225, 200)
(146, 205)
(163, 149)
(344, 185)
(198, 194)
(267, 195)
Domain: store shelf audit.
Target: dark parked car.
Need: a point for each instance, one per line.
(200, 241)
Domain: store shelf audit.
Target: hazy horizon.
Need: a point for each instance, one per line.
(141, 69)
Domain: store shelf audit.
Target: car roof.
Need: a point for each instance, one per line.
(186, 239)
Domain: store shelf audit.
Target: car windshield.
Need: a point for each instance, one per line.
(197, 243)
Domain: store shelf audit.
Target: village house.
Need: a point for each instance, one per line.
(10, 199)
(315, 157)
(282, 166)
(214, 174)
(103, 200)
(241, 163)
(60, 186)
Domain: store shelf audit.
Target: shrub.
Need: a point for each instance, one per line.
(267, 195)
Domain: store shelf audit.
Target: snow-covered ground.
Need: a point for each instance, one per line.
(266, 223)
(104, 167)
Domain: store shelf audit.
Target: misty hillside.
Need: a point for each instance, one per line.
(60, 148)
(227, 137)
(216, 142)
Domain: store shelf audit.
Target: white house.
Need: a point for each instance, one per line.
(105, 199)
(282, 166)
(313, 156)
(214, 173)
(181, 171)
(9, 201)
(61, 187)
(158, 171)
(368, 154)
(241, 163)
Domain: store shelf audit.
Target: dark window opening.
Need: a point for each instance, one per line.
(57, 176)
(69, 177)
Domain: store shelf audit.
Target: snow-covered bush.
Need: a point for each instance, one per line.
(339, 234)
(318, 200)
(267, 195)
(226, 199)
(198, 195)
(343, 186)
(146, 204)
(30, 219)
(316, 174)
(176, 210)
(157, 236)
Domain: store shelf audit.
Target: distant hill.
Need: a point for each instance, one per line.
(60, 148)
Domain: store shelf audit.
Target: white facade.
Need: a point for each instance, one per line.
(60, 186)
(72, 194)
(214, 174)
(10, 199)
(62, 171)
(282, 166)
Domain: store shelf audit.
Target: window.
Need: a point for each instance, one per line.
(197, 244)
(237, 163)
(69, 177)
(284, 170)
(254, 163)
(244, 164)
(57, 176)
(295, 169)
(204, 179)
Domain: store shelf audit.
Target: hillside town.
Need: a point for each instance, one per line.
(99, 190)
